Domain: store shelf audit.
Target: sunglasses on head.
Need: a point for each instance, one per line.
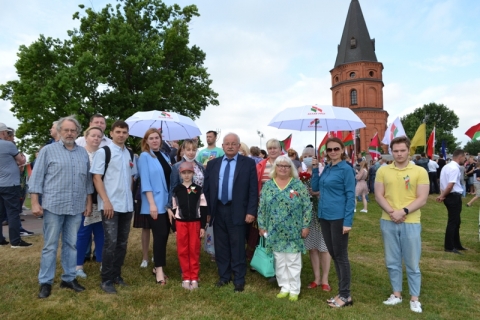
(333, 149)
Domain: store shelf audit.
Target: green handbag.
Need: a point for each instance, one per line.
(262, 261)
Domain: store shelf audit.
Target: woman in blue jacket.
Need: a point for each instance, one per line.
(335, 212)
(152, 166)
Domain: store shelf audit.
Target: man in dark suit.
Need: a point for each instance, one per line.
(231, 191)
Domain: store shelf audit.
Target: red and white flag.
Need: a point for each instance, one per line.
(431, 144)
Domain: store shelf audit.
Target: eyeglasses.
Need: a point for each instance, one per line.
(230, 144)
(284, 166)
(333, 149)
(69, 130)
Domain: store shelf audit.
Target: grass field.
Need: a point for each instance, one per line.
(450, 283)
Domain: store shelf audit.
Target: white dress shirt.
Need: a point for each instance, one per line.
(451, 174)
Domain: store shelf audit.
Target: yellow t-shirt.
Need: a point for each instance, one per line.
(401, 187)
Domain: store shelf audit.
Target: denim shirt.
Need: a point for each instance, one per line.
(337, 192)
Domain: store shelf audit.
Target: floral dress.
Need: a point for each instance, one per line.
(284, 213)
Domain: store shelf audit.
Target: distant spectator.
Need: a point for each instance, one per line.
(255, 154)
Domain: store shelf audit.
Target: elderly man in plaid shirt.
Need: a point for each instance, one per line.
(61, 175)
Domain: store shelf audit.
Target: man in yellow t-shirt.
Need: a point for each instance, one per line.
(401, 189)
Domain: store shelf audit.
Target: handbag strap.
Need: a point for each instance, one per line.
(262, 242)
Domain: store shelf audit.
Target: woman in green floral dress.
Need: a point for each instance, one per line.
(284, 215)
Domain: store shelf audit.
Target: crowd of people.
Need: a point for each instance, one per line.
(92, 187)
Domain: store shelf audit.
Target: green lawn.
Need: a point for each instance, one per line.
(449, 289)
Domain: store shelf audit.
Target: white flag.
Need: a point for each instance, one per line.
(393, 131)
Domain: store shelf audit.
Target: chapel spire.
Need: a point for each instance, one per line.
(356, 44)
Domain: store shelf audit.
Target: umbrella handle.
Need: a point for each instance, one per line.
(315, 136)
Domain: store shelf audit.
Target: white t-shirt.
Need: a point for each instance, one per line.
(432, 166)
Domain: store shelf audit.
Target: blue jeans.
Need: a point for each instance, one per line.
(84, 240)
(53, 226)
(403, 241)
(116, 232)
(11, 207)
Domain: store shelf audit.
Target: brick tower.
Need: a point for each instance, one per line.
(357, 78)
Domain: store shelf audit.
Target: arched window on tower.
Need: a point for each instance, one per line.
(353, 97)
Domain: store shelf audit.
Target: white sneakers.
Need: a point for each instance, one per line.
(392, 300)
(144, 264)
(415, 306)
(364, 210)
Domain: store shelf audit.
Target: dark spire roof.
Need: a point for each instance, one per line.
(356, 44)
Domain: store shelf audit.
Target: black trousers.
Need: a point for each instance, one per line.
(453, 202)
(116, 231)
(432, 176)
(229, 246)
(337, 245)
(160, 230)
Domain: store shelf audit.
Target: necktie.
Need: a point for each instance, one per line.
(226, 177)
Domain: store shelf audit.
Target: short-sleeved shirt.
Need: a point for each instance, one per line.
(400, 187)
(451, 174)
(9, 172)
(204, 154)
(117, 179)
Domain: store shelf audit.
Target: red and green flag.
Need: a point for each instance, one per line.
(285, 144)
(431, 144)
(348, 141)
(374, 147)
(474, 132)
(322, 146)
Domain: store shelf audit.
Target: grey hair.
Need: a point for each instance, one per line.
(69, 118)
(283, 158)
(308, 151)
(232, 134)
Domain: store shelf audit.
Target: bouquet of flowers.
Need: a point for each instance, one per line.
(306, 179)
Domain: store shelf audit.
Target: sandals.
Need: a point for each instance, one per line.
(161, 282)
(164, 281)
(325, 287)
(334, 303)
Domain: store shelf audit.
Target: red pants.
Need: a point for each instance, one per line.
(188, 248)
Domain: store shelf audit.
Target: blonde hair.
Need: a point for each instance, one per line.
(273, 143)
(87, 132)
(244, 149)
(283, 158)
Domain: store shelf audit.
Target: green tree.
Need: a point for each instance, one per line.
(472, 147)
(134, 56)
(438, 115)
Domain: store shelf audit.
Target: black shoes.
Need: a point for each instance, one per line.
(45, 291)
(73, 285)
(119, 281)
(108, 287)
(462, 248)
(239, 288)
(453, 251)
(4, 242)
(21, 244)
(221, 283)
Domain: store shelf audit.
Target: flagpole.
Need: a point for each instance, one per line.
(315, 132)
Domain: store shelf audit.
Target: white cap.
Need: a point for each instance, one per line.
(3, 127)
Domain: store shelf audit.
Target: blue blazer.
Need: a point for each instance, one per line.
(152, 179)
(245, 188)
(175, 178)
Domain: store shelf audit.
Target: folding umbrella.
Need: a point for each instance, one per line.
(172, 125)
(315, 117)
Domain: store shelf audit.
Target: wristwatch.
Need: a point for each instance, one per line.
(406, 211)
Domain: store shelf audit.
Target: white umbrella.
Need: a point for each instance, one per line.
(315, 117)
(173, 125)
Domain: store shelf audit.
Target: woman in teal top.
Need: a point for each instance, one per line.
(335, 212)
(284, 215)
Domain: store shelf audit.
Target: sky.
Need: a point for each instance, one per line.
(265, 56)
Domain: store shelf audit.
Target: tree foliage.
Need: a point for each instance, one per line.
(472, 147)
(435, 115)
(134, 56)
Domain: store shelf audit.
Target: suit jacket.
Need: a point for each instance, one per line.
(245, 188)
(152, 179)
